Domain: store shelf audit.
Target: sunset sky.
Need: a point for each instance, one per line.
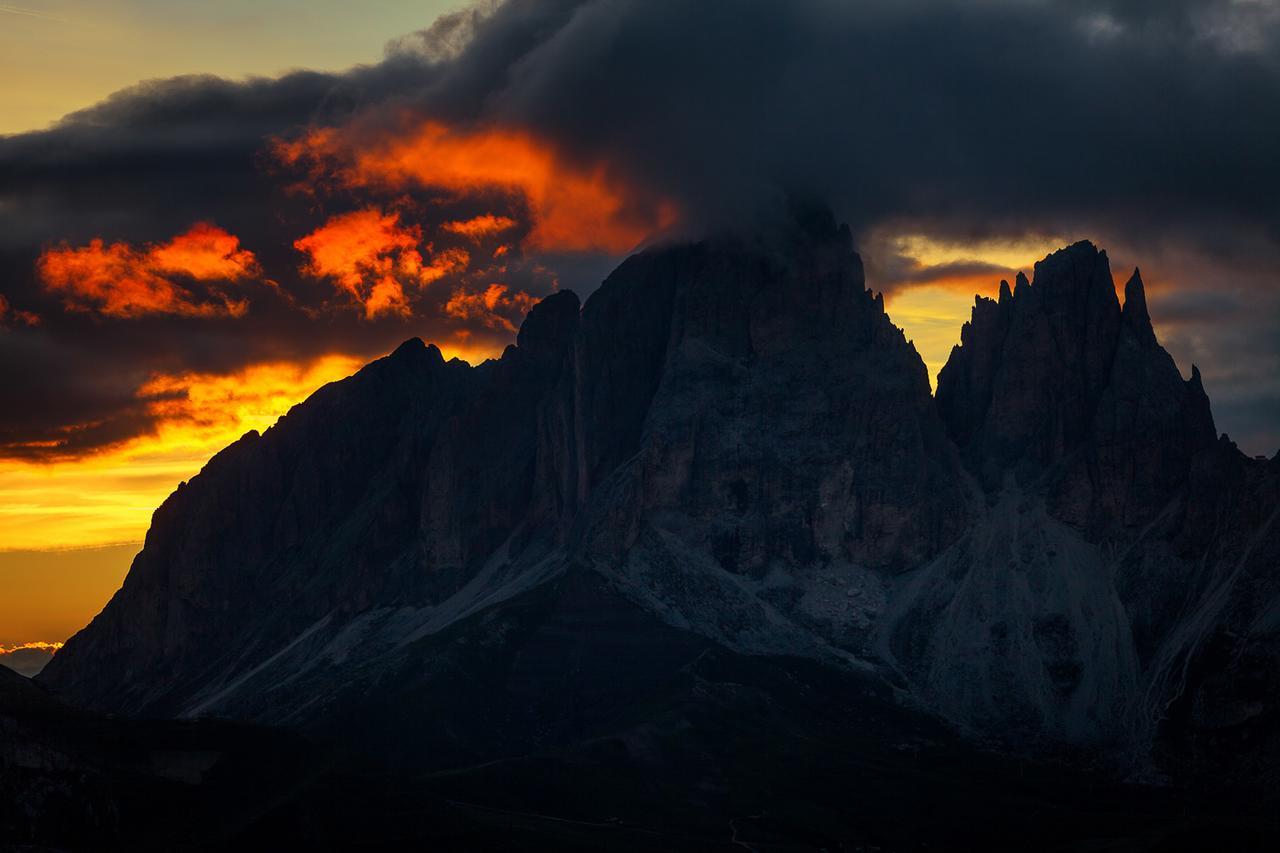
(183, 258)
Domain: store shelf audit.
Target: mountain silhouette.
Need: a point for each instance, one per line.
(716, 508)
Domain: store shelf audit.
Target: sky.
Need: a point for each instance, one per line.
(209, 210)
(58, 56)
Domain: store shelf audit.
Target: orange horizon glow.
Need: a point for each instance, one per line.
(8, 649)
(573, 208)
(46, 596)
(121, 280)
(107, 496)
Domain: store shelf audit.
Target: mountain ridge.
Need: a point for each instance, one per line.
(731, 438)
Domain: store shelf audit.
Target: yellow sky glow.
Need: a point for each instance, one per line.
(931, 314)
(108, 497)
(1011, 254)
(57, 56)
(69, 529)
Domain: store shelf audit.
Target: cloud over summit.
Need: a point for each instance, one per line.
(593, 125)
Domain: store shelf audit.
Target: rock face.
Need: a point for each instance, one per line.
(730, 446)
(1121, 549)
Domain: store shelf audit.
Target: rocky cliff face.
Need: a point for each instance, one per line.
(729, 446)
(1115, 530)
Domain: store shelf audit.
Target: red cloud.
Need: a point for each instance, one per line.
(8, 315)
(489, 306)
(120, 280)
(573, 207)
(370, 255)
(479, 227)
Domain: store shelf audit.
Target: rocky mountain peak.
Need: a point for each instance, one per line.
(550, 325)
(1022, 387)
(1134, 315)
(1059, 385)
(408, 348)
(1195, 382)
(728, 446)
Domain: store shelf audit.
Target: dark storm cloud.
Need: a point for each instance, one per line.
(967, 117)
(1149, 126)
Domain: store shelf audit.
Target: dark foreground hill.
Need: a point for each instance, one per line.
(704, 558)
(733, 751)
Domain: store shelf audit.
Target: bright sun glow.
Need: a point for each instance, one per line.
(69, 518)
(108, 497)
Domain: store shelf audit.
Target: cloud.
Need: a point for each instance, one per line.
(371, 256)
(447, 38)
(120, 280)
(478, 228)
(494, 307)
(211, 410)
(595, 125)
(571, 205)
(10, 316)
(28, 658)
(365, 253)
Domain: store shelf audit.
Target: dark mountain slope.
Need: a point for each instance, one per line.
(386, 488)
(730, 453)
(736, 436)
(1123, 552)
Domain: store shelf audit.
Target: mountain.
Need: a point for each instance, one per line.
(733, 438)
(1121, 585)
(715, 506)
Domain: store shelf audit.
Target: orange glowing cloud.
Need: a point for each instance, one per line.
(489, 305)
(370, 254)
(121, 280)
(444, 262)
(9, 315)
(27, 658)
(479, 227)
(572, 207)
(205, 253)
(36, 645)
(207, 410)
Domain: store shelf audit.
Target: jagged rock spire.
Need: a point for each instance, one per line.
(1060, 381)
(1020, 283)
(1135, 316)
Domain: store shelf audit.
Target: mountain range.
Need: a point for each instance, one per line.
(707, 547)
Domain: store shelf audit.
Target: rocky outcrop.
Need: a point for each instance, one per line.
(729, 446)
(1055, 379)
(1107, 571)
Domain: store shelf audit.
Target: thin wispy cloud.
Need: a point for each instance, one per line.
(32, 13)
